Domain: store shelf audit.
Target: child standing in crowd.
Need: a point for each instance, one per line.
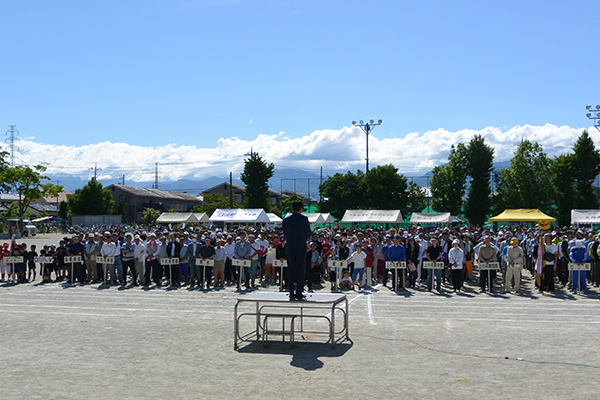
(270, 273)
(30, 257)
(331, 270)
(358, 258)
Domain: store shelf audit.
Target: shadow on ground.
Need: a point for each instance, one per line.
(304, 355)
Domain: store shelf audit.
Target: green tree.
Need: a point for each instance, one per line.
(415, 197)
(480, 158)
(150, 215)
(92, 199)
(448, 183)
(586, 167)
(384, 189)
(256, 175)
(528, 182)
(341, 192)
(27, 182)
(212, 201)
(63, 208)
(286, 205)
(564, 193)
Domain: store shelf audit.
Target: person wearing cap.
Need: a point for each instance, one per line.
(139, 256)
(455, 260)
(61, 253)
(153, 270)
(75, 248)
(90, 253)
(296, 230)
(486, 253)
(579, 255)
(128, 259)
(4, 267)
(515, 258)
(220, 256)
(108, 250)
(193, 250)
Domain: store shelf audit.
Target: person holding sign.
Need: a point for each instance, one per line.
(397, 252)
(515, 257)
(296, 230)
(455, 259)
(434, 254)
(243, 251)
(75, 248)
(579, 255)
(486, 254)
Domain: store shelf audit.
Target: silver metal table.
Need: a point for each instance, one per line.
(269, 306)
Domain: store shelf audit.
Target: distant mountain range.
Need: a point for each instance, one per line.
(294, 180)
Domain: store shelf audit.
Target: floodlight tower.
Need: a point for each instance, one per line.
(594, 115)
(366, 128)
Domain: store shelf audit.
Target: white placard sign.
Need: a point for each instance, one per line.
(434, 265)
(13, 260)
(582, 267)
(395, 264)
(169, 261)
(43, 260)
(206, 263)
(278, 263)
(337, 264)
(72, 259)
(491, 266)
(105, 260)
(240, 263)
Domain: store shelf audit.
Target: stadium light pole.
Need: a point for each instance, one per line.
(594, 115)
(366, 128)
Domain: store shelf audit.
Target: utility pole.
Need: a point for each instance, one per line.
(123, 179)
(155, 176)
(12, 133)
(320, 183)
(366, 128)
(230, 189)
(95, 169)
(57, 205)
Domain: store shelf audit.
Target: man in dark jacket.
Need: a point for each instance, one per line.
(296, 230)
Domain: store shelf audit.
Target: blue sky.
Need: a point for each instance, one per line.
(191, 72)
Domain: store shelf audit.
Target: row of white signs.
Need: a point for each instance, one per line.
(277, 263)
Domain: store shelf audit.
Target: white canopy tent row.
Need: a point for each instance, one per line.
(314, 218)
(240, 216)
(274, 219)
(585, 217)
(430, 218)
(182, 218)
(373, 216)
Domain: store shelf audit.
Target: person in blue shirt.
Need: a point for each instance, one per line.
(397, 252)
(579, 255)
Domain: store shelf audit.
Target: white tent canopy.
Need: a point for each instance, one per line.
(239, 215)
(314, 218)
(177, 218)
(328, 218)
(431, 218)
(585, 217)
(201, 217)
(373, 216)
(274, 219)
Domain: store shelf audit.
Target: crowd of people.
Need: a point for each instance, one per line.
(138, 258)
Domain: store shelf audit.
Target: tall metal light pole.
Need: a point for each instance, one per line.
(366, 128)
(594, 115)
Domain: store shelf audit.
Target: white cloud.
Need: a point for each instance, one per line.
(341, 149)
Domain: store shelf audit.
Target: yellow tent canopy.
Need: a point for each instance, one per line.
(522, 215)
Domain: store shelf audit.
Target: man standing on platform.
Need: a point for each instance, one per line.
(296, 230)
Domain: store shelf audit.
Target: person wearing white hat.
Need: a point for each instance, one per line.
(455, 260)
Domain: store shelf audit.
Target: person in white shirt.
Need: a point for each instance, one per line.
(455, 260)
(108, 250)
(139, 256)
(358, 258)
(230, 272)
